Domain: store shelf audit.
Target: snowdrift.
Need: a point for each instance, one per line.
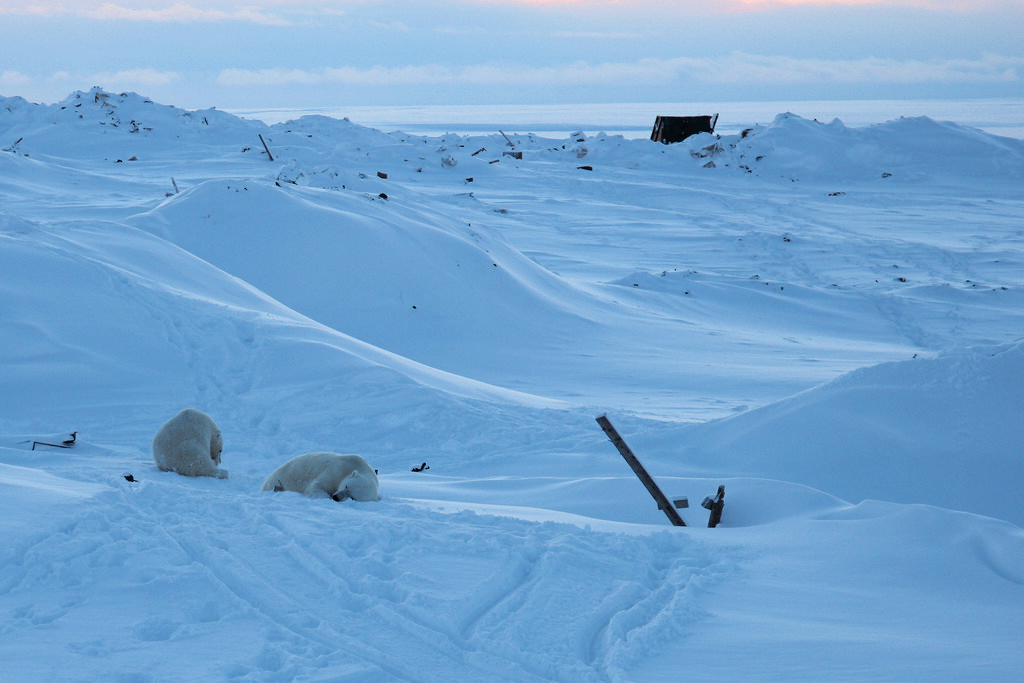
(824, 319)
(390, 272)
(933, 431)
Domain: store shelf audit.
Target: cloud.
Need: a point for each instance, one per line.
(737, 68)
(930, 5)
(54, 86)
(178, 12)
(598, 35)
(136, 77)
(13, 79)
(378, 75)
(126, 79)
(183, 13)
(271, 11)
(688, 7)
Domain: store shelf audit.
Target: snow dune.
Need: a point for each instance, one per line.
(825, 319)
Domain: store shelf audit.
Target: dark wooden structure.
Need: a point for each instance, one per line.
(677, 128)
(715, 505)
(642, 474)
(66, 443)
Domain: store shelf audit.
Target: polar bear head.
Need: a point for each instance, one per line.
(358, 487)
(216, 446)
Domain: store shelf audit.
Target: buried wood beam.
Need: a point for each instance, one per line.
(271, 156)
(663, 503)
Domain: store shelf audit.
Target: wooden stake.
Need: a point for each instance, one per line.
(265, 147)
(663, 503)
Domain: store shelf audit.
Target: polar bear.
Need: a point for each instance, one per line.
(189, 443)
(320, 475)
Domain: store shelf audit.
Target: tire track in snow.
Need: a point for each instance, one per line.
(664, 607)
(499, 589)
(305, 608)
(335, 601)
(282, 610)
(610, 594)
(123, 548)
(27, 566)
(391, 572)
(504, 616)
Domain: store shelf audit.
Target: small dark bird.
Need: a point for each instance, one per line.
(129, 477)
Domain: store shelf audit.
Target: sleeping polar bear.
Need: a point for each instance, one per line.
(189, 443)
(320, 475)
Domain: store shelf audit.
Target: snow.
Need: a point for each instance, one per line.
(825, 319)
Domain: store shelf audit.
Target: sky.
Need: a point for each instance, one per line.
(317, 53)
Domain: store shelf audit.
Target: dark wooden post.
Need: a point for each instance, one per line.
(265, 147)
(663, 503)
(716, 504)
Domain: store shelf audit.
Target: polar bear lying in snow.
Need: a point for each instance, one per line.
(320, 475)
(189, 443)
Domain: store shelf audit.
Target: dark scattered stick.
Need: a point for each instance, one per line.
(66, 443)
(43, 443)
(640, 471)
(265, 147)
(422, 467)
(715, 505)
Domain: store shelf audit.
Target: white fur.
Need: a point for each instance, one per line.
(189, 443)
(326, 474)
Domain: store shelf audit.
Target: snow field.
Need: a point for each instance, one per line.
(824, 319)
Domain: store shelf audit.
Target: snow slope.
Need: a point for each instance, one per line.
(824, 319)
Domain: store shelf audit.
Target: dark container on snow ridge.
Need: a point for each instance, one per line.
(677, 128)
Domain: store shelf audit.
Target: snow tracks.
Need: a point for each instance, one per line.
(176, 579)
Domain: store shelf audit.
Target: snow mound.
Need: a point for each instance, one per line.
(904, 150)
(390, 272)
(30, 492)
(99, 124)
(934, 431)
